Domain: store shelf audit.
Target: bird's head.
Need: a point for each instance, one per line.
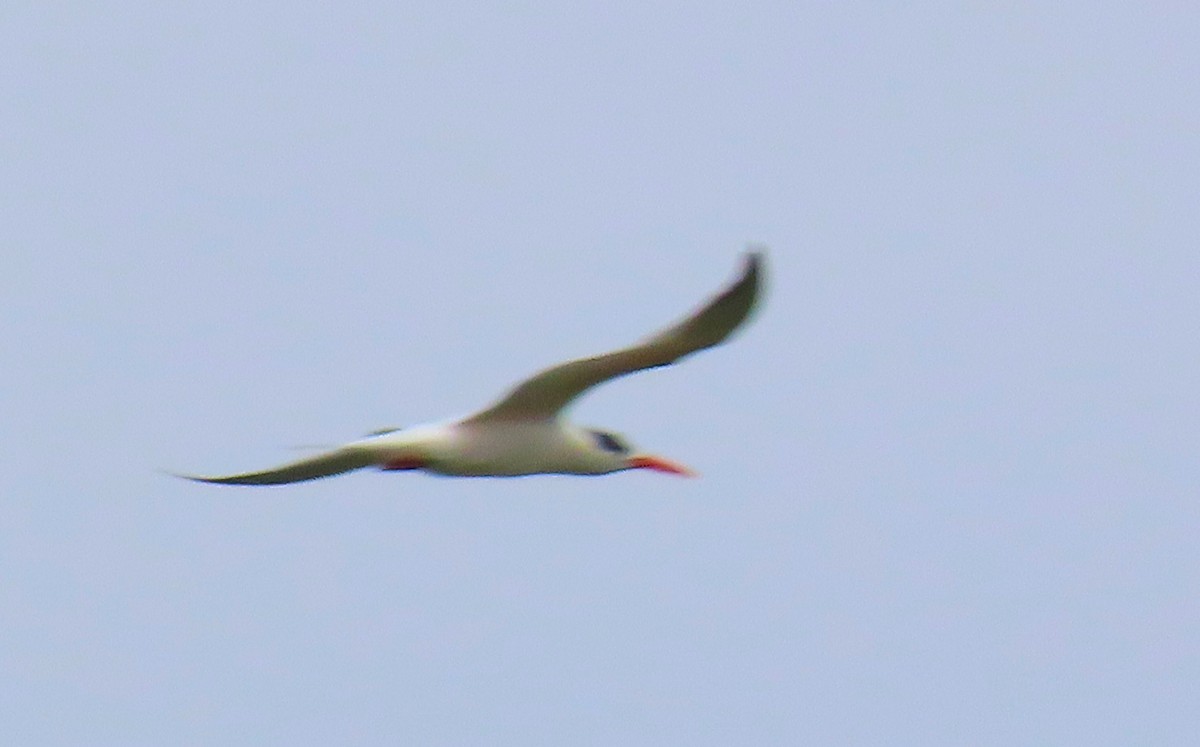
(613, 453)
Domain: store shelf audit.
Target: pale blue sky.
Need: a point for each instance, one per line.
(949, 474)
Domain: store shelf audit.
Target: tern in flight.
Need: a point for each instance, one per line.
(525, 433)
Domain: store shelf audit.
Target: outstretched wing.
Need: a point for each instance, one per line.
(330, 463)
(546, 393)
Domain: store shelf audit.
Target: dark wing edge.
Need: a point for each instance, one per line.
(322, 465)
(546, 393)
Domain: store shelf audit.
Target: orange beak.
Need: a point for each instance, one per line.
(658, 464)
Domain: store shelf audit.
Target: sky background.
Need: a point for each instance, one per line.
(949, 474)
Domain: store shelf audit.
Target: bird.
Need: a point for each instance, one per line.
(525, 432)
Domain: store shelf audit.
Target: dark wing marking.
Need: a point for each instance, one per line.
(546, 393)
(322, 465)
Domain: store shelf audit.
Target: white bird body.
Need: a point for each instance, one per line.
(479, 450)
(524, 433)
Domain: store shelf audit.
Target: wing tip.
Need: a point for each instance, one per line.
(749, 283)
(226, 480)
(754, 258)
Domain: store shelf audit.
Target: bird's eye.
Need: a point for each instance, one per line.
(609, 442)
